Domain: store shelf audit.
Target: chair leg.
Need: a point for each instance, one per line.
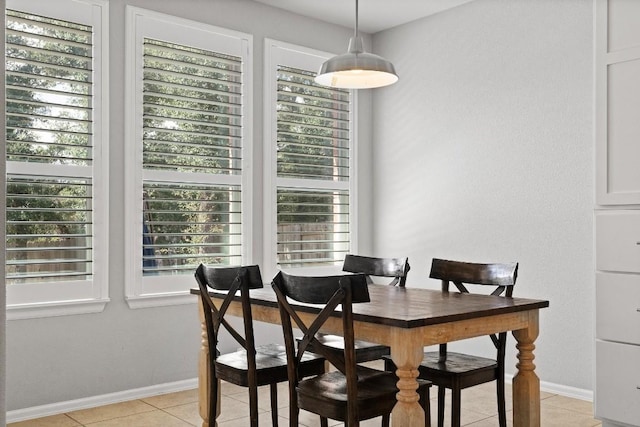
(213, 401)
(385, 420)
(426, 407)
(324, 422)
(455, 407)
(274, 404)
(441, 392)
(502, 409)
(253, 406)
(293, 407)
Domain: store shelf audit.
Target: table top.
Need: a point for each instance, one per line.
(409, 307)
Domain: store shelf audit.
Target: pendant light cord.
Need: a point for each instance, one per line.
(355, 34)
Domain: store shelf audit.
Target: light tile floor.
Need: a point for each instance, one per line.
(181, 410)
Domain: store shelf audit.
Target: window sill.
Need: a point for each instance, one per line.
(160, 300)
(54, 309)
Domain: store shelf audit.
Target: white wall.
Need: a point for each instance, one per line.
(484, 152)
(71, 357)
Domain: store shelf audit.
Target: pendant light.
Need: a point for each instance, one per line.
(356, 69)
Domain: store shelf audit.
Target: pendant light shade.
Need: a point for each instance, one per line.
(356, 69)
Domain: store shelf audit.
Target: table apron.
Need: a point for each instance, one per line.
(385, 334)
(445, 332)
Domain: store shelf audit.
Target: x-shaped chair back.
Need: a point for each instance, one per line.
(231, 280)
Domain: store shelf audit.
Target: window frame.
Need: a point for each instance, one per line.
(148, 291)
(33, 300)
(287, 54)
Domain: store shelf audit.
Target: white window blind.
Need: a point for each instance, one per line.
(57, 157)
(49, 123)
(313, 175)
(192, 133)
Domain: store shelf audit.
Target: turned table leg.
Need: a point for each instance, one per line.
(407, 353)
(526, 384)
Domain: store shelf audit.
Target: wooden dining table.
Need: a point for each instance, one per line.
(407, 319)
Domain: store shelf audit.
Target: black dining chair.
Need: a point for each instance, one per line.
(250, 366)
(394, 268)
(457, 371)
(351, 392)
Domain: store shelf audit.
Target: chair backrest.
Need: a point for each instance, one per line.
(232, 280)
(398, 268)
(501, 276)
(330, 291)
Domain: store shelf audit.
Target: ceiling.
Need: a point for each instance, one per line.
(374, 15)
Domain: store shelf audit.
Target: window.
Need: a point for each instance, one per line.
(189, 84)
(310, 139)
(56, 153)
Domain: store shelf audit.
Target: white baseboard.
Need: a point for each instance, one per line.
(104, 399)
(562, 390)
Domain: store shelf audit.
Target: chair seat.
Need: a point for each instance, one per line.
(271, 363)
(459, 371)
(457, 363)
(365, 351)
(376, 393)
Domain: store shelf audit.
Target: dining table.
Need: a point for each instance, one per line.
(407, 319)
